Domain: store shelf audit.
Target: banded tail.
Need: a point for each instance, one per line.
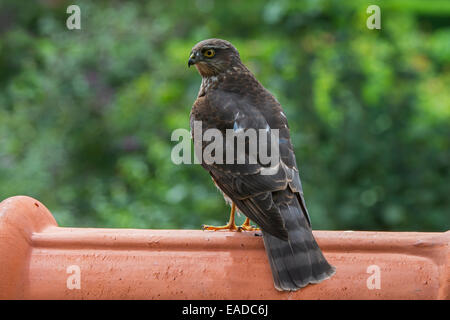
(297, 262)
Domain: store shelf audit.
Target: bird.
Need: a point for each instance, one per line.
(230, 98)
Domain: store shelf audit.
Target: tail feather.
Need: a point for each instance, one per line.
(299, 261)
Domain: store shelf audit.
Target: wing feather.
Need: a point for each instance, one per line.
(243, 183)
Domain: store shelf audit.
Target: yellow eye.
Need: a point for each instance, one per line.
(209, 53)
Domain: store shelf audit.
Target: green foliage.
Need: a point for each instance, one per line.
(86, 115)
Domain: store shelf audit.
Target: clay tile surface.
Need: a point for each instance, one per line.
(39, 260)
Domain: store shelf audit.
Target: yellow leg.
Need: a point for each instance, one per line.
(247, 227)
(229, 226)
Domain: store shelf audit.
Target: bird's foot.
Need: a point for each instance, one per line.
(247, 227)
(228, 226)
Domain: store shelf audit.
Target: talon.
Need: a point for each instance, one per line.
(230, 226)
(247, 227)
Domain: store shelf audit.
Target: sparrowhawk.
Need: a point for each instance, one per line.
(230, 97)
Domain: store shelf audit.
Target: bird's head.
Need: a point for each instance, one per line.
(213, 56)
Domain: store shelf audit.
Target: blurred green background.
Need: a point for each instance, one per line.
(86, 115)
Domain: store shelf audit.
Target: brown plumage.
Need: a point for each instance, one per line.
(230, 97)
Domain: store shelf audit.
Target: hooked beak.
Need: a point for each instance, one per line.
(193, 58)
